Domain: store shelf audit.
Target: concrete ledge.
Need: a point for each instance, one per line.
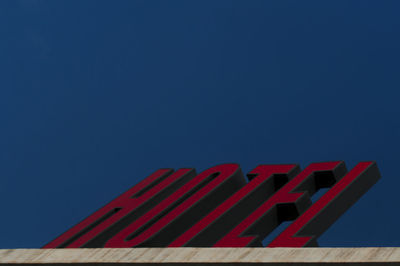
(200, 256)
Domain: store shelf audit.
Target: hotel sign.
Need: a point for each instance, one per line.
(219, 208)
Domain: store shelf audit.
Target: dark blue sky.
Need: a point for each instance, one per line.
(96, 95)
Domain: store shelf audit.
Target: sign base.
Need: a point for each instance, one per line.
(202, 256)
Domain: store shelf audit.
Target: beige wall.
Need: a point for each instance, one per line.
(198, 256)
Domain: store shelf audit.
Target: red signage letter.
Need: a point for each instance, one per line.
(313, 222)
(98, 227)
(286, 204)
(199, 198)
(265, 180)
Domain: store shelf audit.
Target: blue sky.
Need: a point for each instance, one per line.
(96, 95)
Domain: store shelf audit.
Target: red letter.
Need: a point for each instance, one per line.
(265, 180)
(97, 228)
(286, 204)
(161, 225)
(312, 223)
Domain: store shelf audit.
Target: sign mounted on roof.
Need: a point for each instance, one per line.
(218, 208)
